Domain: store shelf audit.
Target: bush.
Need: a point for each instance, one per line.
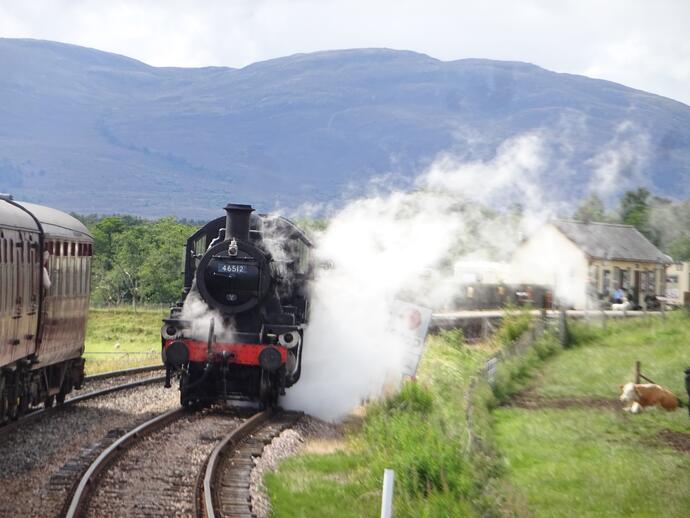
(454, 337)
(513, 325)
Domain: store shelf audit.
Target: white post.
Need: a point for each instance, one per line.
(387, 497)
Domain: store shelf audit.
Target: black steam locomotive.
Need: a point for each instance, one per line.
(238, 331)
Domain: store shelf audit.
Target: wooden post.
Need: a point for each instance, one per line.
(637, 371)
(663, 309)
(563, 329)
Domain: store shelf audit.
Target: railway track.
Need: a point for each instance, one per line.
(223, 488)
(40, 413)
(178, 464)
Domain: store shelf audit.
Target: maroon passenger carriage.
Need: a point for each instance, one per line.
(45, 271)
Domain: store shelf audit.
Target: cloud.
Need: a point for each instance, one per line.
(634, 42)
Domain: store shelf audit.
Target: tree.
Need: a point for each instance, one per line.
(137, 260)
(635, 210)
(591, 209)
(680, 248)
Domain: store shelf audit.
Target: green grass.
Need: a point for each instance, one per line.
(420, 433)
(593, 461)
(119, 338)
(607, 358)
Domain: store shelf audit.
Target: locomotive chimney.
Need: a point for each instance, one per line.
(237, 221)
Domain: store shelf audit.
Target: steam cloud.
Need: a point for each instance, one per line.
(399, 245)
(199, 315)
(402, 244)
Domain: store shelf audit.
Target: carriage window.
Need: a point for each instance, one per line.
(73, 249)
(49, 247)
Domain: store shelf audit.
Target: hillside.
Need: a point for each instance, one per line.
(91, 131)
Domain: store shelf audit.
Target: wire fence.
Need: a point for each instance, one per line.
(488, 371)
(149, 307)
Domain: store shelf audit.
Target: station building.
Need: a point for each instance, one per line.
(677, 282)
(585, 262)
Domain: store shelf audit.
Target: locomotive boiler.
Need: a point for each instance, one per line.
(238, 331)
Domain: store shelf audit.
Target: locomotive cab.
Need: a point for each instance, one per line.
(237, 332)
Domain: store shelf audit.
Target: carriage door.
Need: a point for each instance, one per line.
(16, 276)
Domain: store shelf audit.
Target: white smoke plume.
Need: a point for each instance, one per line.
(620, 164)
(399, 245)
(199, 315)
(403, 245)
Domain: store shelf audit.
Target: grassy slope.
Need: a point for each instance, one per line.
(137, 336)
(419, 433)
(596, 462)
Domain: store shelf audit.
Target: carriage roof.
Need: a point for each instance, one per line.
(58, 224)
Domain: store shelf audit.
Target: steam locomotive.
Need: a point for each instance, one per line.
(45, 270)
(238, 331)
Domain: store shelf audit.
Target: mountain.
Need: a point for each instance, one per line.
(89, 131)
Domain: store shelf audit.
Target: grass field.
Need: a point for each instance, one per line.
(118, 338)
(576, 453)
(419, 433)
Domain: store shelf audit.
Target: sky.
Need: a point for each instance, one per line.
(639, 43)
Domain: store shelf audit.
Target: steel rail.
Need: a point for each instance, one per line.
(82, 491)
(206, 497)
(124, 372)
(43, 412)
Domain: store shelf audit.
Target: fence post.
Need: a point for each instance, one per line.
(687, 386)
(485, 328)
(387, 496)
(638, 366)
(563, 329)
(663, 309)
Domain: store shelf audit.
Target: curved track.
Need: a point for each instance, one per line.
(223, 488)
(39, 413)
(177, 464)
(78, 502)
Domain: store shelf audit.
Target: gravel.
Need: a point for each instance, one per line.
(157, 476)
(288, 443)
(40, 460)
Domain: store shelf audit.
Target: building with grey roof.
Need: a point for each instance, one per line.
(586, 262)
